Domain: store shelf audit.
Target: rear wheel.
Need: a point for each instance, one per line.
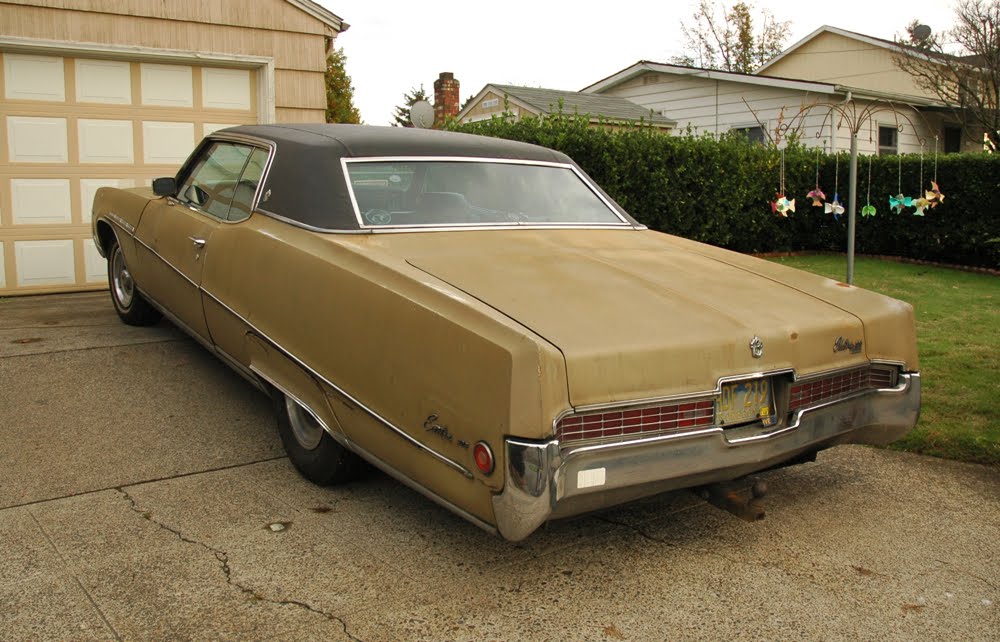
(129, 304)
(311, 449)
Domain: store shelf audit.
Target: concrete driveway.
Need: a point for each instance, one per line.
(144, 495)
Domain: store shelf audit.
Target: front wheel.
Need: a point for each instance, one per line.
(129, 304)
(311, 449)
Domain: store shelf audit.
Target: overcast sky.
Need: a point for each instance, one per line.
(393, 45)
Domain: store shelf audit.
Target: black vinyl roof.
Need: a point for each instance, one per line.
(306, 182)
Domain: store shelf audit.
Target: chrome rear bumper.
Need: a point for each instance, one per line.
(544, 481)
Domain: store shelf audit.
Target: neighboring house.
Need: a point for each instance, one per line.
(531, 102)
(716, 102)
(844, 57)
(99, 93)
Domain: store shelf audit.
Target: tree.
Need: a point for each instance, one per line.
(339, 92)
(967, 80)
(402, 116)
(728, 40)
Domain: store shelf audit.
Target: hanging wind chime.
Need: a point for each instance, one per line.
(869, 209)
(835, 207)
(781, 205)
(934, 195)
(920, 203)
(899, 202)
(816, 194)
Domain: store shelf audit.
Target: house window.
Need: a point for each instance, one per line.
(753, 134)
(492, 102)
(888, 140)
(952, 140)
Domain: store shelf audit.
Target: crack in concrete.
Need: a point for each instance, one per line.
(223, 558)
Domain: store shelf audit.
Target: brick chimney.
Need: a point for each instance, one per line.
(446, 99)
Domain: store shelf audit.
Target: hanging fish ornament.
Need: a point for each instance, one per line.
(782, 206)
(868, 210)
(920, 204)
(834, 207)
(817, 197)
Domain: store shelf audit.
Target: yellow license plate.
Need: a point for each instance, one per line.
(745, 401)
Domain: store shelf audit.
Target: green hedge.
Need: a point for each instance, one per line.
(719, 191)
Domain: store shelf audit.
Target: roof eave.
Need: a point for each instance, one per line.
(322, 14)
(711, 74)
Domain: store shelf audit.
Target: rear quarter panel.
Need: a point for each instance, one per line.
(397, 340)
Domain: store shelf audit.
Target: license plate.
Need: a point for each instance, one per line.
(746, 401)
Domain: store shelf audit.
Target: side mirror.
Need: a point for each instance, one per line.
(165, 186)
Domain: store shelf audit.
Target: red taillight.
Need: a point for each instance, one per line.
(484, 457)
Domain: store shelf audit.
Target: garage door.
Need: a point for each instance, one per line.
(73, 125)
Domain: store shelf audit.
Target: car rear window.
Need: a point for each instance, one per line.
(434, 193)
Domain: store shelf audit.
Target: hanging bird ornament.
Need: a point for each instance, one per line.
(816, 194)
(899, 202)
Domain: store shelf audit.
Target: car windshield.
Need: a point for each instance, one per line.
(456, 192)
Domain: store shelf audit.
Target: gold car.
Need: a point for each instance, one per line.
(481, 321)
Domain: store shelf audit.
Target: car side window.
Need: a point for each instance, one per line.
(212, 183)
(247, 186)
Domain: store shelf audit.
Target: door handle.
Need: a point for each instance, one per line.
(198, 243)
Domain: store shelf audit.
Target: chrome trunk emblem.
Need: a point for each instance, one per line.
(756, 347)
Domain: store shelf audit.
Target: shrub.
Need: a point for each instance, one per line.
(718, 191)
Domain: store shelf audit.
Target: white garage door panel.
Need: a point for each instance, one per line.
(96, 265)
(225, 88)
(37, 140)
(40, 201)
(210, 128)
(33, 77)
(167, 85)
(44, 262)
(71, 125)
(167, 143)
(105, 141)
(89, 187)
(103, 81)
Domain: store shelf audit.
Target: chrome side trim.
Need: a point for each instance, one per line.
(344, 161)
(120, 222)
(336, 436)
(382, 420)
(239, 368)
(429, 494)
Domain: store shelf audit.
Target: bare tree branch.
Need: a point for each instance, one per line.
(728, 39)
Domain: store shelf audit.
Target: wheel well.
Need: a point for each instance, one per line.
(105, 235)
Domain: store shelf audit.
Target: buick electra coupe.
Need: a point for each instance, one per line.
(478, 319)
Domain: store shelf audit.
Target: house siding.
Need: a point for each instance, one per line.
(830, 57)
(703, 105)
(233, 27)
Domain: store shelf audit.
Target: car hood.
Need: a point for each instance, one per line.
(640, 314)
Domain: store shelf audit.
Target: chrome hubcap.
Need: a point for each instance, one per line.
(308, 432)
(121, 280)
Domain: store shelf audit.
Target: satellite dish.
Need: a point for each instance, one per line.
(921, 32)
(422, 114)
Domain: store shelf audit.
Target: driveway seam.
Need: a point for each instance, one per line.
(144, 481)
(76, 579)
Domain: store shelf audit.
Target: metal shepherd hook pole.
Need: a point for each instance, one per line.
(852, 206)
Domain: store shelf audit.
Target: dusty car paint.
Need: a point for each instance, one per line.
(411, 347)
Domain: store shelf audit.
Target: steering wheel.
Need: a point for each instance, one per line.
(378, 217)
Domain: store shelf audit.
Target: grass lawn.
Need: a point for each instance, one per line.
(958, 335)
